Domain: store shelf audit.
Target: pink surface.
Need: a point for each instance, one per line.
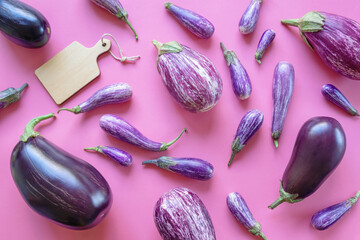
(255, 172)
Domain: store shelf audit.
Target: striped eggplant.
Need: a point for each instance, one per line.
(194, 168)
(240, 79)
(190, 77)
(283, 85)
(328, 34)
(11, 95)
(114, 93)
(241, 212)
(265, 40)
(120, 156)
(180, 214)
(196, 24)
(249, 125)
(325, 218)
(334, 95)
(318, 150)
(121, 129)
(250, 17)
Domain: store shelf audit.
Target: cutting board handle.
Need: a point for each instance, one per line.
(101, 47)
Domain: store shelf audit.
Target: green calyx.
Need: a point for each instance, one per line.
(256, 230)
(170, 47)
(29, 128)
(96, 149)
(285, 197)
(310, 22)
(235, 147)
(162, 162)
(353, 200)
(229, 55)
(11, 95)
(168, 5)
(165, 146)
(75, 110)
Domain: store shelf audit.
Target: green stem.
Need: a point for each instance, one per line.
(165, 146)
(285, 197)
(125, 19)
(278, 201)
(276, 142)
(20, 89)
(75, 110)
(262, 236)
(96, 149)
(168, 5)
(29, 128)
(355, 198)
(154, 161)
(231, 158)
(291, 22)
(223, 47)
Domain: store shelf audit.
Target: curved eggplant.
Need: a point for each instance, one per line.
(265, 40)
(250, 17)
(11, 95)
(120, 156)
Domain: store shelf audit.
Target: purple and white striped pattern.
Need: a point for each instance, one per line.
(250, 17)
(265, 40)
(113, 6)
(119, 156)
(334, 95)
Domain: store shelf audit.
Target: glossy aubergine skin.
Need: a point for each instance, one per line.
(11, 95)
(119, 156)
(180, 214)
(265, 41)
(23, 24)
(250, 17)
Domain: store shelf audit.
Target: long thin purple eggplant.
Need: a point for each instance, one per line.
(265, 40)
(11, 95)
(318, 150)
(121, 129)
(325, 218)
(115, 8)
(334, 95)
(189, 167)
(180, 214)
(240, 79)
(249, 125)
(196, 24)
(250, 17)
(241, 212)
(120, 156)
(328, 34)
(114, 93)
(283, 85)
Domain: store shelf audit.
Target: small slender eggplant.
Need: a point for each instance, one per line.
(56, 184)
(196, 24)
(240, 80)
(249, 125)
(318, 150)
(241, 212)
(265, 40)
(330, 215)
(250, 17)
(334, 95)
(114, 93)
(121, 129)
(116, 9)
(328, 34)
(283, 86)
(11, 95)
(180, 214)
(194, 168)
(120, 156)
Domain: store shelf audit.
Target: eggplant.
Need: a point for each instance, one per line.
(11, 95)
(325, 218)
(327, 34)
(121, 129)
(241, 212)
(196, 24)
(56, 184)
(119, 156)
(283, 85)
(248, 126)
(194, 168)
(250, 17)
(114, 93)
(334, 95)
(319, 148)
(266, 39)
(180, 214)
(190, 77)
(23, 24)
(240, 79)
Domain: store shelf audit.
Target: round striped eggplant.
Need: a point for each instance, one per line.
(250, 17)
(265, 40)
(11, 95)
(249, 125)
(121, 129)
(239, 77)
(327, 34)
(190, 77)
(318, 150)
(180, 214)
(120, 156)
(283, 85)
(196, 24)
(194, 168)
(114, 93)
(334, 95)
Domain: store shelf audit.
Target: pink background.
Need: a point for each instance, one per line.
(255, 172)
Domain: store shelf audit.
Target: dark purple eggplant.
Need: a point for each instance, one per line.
(240, 80)
(189, 167)
(249, 125)
(180, 214)
(114, 93)
(196, 24)
(265, 40)
(23, 24)
(56, 184)
(283, 85)
(250, 17)
(327, 34)
(241, 212)
(120, 156)
(334, 95)
(121, 129)
(318, 150)
(11, 95)
(325, 218)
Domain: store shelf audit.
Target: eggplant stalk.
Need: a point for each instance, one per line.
(29, 128)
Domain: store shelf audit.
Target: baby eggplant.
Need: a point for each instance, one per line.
(11, 95)
(120, 156)
(265, 40)
(250, 17)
